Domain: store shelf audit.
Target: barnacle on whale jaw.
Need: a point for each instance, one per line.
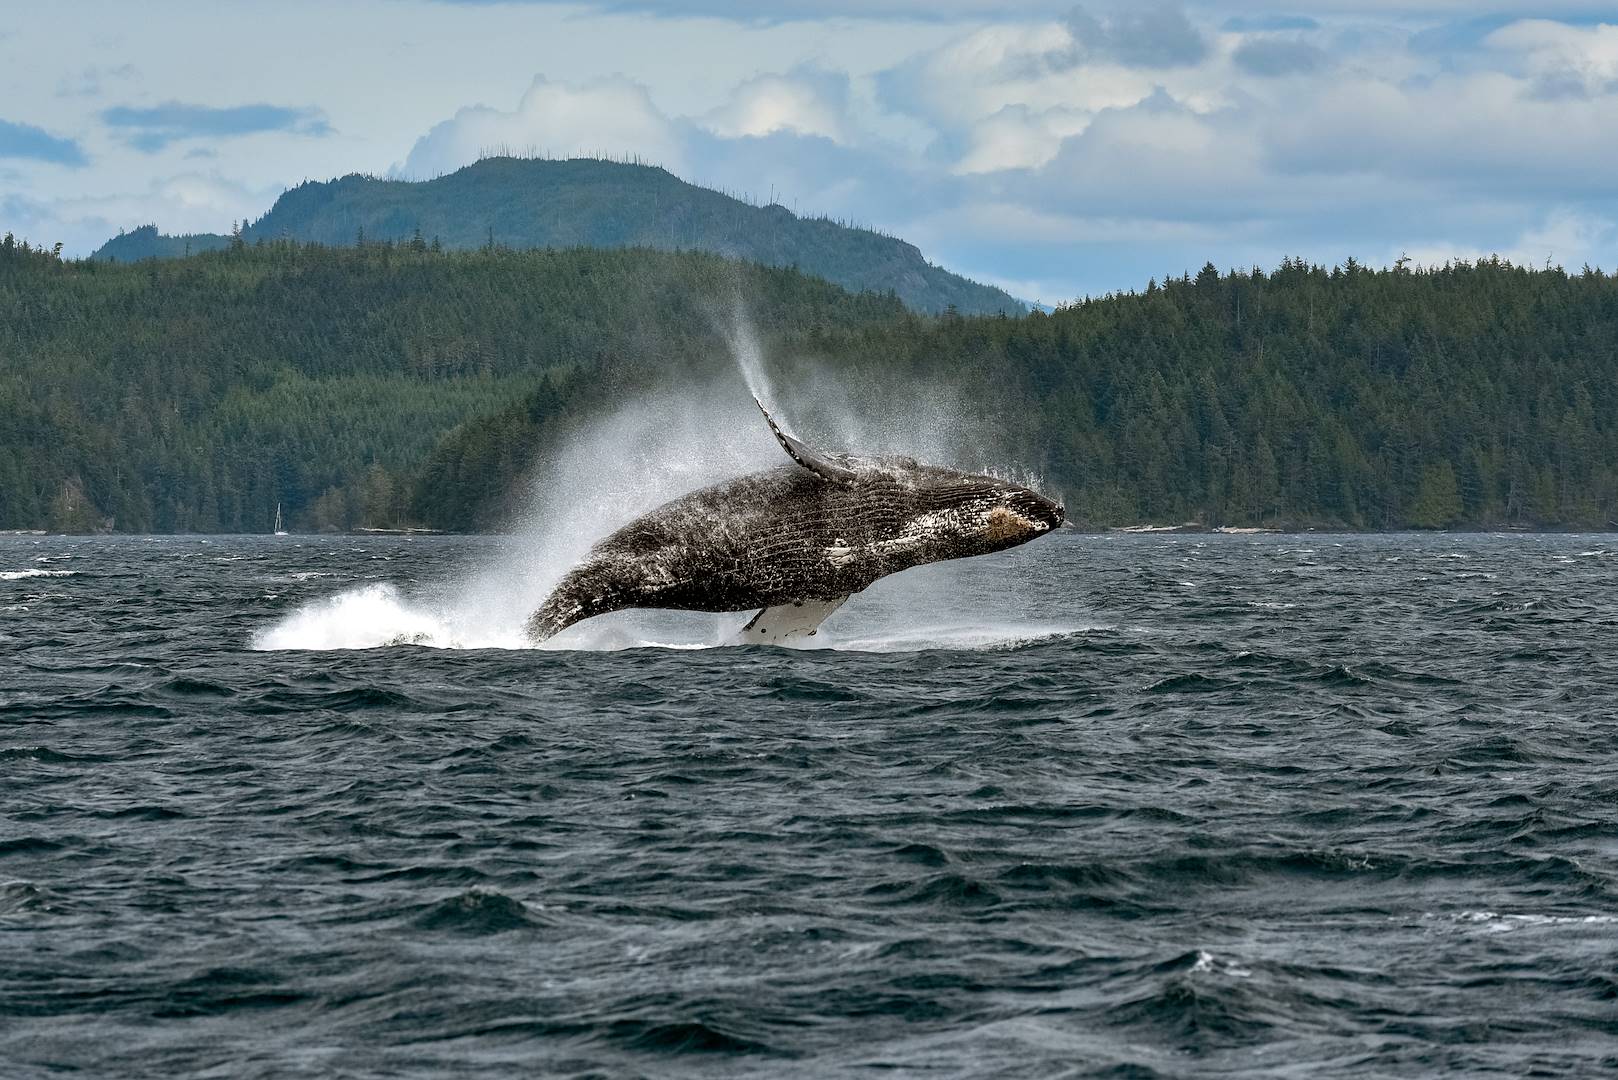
(1007, 524)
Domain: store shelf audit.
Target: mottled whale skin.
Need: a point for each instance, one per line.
(820, 529)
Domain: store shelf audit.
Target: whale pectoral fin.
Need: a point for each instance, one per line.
(785, 622)
(815, 462)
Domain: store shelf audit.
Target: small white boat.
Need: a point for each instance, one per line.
(280, 529)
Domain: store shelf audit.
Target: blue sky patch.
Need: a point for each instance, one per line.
(37, 144)
(151, 129)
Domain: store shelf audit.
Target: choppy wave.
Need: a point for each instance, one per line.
(1341, 809)
(33, 572)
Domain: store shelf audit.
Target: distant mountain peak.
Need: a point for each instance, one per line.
(589, 202)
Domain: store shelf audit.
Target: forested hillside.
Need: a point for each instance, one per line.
(391, 385)
(147, 243)
(197, 394)
(528, 203)
(1472, 396)
(1481, 394)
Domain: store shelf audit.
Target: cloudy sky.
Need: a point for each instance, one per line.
(1051, 149)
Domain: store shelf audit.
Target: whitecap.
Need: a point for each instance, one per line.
(1208, 963)
(1495, 922)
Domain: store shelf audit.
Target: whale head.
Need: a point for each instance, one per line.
(977, 514)
(952, 514)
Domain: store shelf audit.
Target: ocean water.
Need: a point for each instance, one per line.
(1301, 806)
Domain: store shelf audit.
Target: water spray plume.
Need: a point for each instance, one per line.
(639, 456)
(749, 356)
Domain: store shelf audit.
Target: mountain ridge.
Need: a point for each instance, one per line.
(523, 203)
(392, 385)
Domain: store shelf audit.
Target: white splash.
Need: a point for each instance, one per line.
(364, 618)
(18, 575)
(621, 466)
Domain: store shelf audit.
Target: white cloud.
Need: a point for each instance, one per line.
(1153, 35)
(802, 103)
(1158, 159)
(1484, 129)
(1562, 57)
(1022, 144)
(1063, 233)
(185, 203)
(1571, 238)
(1019, 138)
(752, 11)
(1343, 134)
(610, 117)
(980, 73)
(1565, 237)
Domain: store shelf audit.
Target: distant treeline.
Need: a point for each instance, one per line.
(392, 384)
(198, 394)
(1477, 394)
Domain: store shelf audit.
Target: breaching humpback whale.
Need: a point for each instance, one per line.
(795, 541)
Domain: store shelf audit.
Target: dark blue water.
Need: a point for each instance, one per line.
(1157, 806)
